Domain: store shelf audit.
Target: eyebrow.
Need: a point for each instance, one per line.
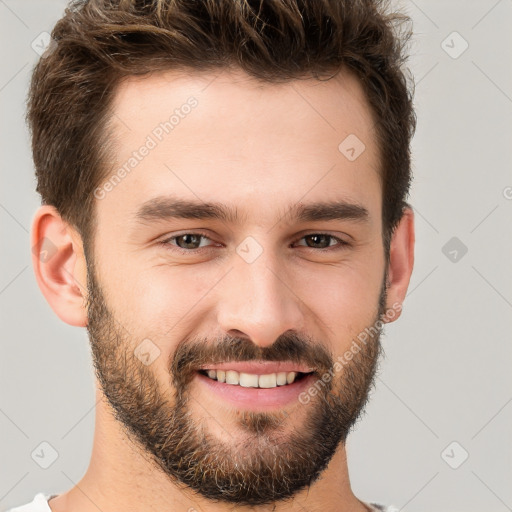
(164, 208)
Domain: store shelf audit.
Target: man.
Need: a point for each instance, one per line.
(223, 189)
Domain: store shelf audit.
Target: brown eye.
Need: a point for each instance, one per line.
(186, 242)
(316, 240)
(189, 241)
(323, 241)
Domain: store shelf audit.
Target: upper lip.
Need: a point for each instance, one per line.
(259, 367)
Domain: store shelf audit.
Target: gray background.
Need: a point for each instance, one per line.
(446, 377)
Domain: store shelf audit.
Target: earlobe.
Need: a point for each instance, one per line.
(401, 263)
(59, 265)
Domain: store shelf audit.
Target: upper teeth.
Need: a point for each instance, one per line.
(251, 380)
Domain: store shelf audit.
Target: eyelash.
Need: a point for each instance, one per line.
(170, 247)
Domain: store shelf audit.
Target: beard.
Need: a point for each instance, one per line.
(268, 460)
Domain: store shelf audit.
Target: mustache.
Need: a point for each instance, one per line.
(189, 356)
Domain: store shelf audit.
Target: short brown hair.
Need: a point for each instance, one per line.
(98, 42)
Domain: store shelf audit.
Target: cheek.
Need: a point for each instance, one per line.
(344, 299)
(159, 300)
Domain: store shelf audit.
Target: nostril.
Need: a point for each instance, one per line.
(236, 333)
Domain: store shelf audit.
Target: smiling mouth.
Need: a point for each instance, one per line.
(252, 380)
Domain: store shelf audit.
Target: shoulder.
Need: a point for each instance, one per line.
(376, 507)
(38, 504)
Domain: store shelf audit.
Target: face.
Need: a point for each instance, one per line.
(235, 262)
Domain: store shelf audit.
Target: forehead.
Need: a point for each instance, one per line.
(227, 137)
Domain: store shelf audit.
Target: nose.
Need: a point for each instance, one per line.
(258, 302)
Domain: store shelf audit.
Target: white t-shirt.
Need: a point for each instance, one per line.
(40, 504)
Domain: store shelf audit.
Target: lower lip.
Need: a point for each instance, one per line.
(257, 398)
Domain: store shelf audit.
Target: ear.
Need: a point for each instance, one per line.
(59, 265)
(401, 262)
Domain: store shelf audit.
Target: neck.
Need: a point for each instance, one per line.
(121, 477)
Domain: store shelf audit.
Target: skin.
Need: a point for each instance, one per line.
(260, 148)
